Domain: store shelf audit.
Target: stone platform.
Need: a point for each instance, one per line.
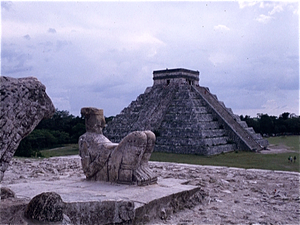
(90, 202)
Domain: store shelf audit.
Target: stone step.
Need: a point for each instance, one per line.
(176, 141)
(214, 150)
(188, 117)
(213, 133)
(215, 141)
(181, 149)
(189, 131)
(200, 110)
(242, 136)
(207, 125)
(243, 124)
(250, 130)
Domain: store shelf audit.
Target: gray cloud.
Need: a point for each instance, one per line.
(6, 5)
(51, 30)
(98, 58)
(60, 44)
(14, 62)
(27, 37)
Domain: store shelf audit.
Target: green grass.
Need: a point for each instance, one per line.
(247, 160)
(70, 149)
(290, 141)
(241, 159)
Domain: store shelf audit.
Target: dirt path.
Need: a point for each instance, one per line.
(275, 149)
(233, 196)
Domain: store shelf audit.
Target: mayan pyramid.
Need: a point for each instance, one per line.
(185, 117)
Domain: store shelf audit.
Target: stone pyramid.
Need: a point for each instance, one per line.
(185, 117)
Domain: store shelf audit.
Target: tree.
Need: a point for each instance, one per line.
(286, 123)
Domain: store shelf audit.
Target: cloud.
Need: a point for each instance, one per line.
(146, 41)
(97, 58)
(6, 5)
(60, 44)
(263, 18)
(244, 4)
(221, 28)
(221, 58)
(14, 60)
(51, 30)
(276, 9)
(145, 38)
(268, 10)
(27, 37)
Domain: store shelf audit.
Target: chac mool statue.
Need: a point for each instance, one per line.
(125, 162)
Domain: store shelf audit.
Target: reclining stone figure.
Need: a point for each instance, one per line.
(126, 162)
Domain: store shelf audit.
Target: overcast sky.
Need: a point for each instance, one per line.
(103, 54)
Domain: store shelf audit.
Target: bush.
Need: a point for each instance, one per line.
(41, 139)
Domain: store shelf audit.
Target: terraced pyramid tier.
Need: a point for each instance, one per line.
(185, 117)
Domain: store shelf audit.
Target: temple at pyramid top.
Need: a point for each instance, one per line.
(179, 76)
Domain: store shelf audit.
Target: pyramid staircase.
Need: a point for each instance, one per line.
(186, 119)
(188, 127)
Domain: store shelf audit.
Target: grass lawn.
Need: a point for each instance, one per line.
(247, 160)
(293, 142)
(277, 161)
(70, 149)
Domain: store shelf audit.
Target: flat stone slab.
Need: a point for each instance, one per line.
(91, 202)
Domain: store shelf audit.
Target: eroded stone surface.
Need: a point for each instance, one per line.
(90, 202)
(235, 196)
(45, 207)
(125, 162)
(6, 193)
(12, 210)
(24, 103)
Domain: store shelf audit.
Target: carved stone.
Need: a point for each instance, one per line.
(126, 162)
(45, 207)
(24, 103)
(6, 193)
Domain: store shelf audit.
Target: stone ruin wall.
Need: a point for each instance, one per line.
(24, 103)
(179, 76)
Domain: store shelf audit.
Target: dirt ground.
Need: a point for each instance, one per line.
(233, 196)
(275, 149)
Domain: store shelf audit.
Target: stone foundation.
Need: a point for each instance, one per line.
(87, 202)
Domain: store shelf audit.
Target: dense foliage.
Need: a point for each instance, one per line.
(285, 124)
(62, 128)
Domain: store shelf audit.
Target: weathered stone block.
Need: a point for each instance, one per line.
(6, 193)
(45, 207)
(24, 103)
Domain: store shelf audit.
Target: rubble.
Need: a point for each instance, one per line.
(234, 195)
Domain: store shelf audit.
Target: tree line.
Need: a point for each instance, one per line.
(64, 128)
(285, 124)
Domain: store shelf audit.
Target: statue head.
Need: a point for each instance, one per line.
(94, 119)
